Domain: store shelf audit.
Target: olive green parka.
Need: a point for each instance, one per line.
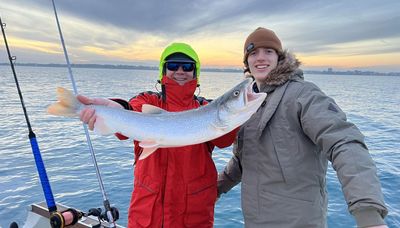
(282, 152)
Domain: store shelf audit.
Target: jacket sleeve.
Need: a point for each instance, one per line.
(232, 173)
(225, 140)
(138, 101)
(342, 142)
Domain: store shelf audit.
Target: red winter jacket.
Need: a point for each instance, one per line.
(175, 187)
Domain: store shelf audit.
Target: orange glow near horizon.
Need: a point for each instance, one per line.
(35, 45)
(222, 60)
(351, 61)
(123, 53)
(212, 53)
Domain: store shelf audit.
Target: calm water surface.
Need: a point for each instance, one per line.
(373, 103)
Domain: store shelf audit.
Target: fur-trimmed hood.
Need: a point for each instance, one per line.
(287, 69)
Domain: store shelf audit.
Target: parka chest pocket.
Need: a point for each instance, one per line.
(271, 165)
(298, 166)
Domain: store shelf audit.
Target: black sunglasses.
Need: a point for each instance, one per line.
(174, 66)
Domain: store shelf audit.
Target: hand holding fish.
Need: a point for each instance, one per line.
(88, 114)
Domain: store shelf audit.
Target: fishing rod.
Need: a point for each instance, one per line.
(69, 216)
(111, 212)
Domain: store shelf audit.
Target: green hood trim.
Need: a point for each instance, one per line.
(180, 48)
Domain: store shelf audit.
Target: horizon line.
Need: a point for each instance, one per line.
(207, 69)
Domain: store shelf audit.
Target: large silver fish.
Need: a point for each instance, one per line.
(156, 128)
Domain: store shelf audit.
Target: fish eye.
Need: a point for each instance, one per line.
(236, 93)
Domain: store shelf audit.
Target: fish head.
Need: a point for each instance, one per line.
(238, 104)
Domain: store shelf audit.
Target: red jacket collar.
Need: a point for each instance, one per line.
(178, 97)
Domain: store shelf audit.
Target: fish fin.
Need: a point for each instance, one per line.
(151, 109)
(220, 127)
(100, 127)
(148, 144)
(222, 130)
(148, 148)
(67, 104)
(147, 152)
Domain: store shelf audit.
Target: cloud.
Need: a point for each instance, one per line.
(177, 16)
(309, 27)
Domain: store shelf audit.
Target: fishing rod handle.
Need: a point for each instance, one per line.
(44, 180)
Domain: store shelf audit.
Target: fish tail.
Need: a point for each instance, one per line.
(67, 104)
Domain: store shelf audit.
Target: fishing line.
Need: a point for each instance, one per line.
(89, 142)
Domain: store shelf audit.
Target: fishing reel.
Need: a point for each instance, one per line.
(102, 216)
(66, 218)
(71, 216)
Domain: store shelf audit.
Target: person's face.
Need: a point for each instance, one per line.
(180, 72)
(261, 61)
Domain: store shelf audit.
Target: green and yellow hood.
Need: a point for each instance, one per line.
(179, 48)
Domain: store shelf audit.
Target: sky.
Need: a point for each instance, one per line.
(341, 34)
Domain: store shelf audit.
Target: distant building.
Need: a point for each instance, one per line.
(330, 70)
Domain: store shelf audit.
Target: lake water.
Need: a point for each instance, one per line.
(371, 102)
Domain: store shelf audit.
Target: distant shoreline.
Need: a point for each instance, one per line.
(109, 66)
(130, 67)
